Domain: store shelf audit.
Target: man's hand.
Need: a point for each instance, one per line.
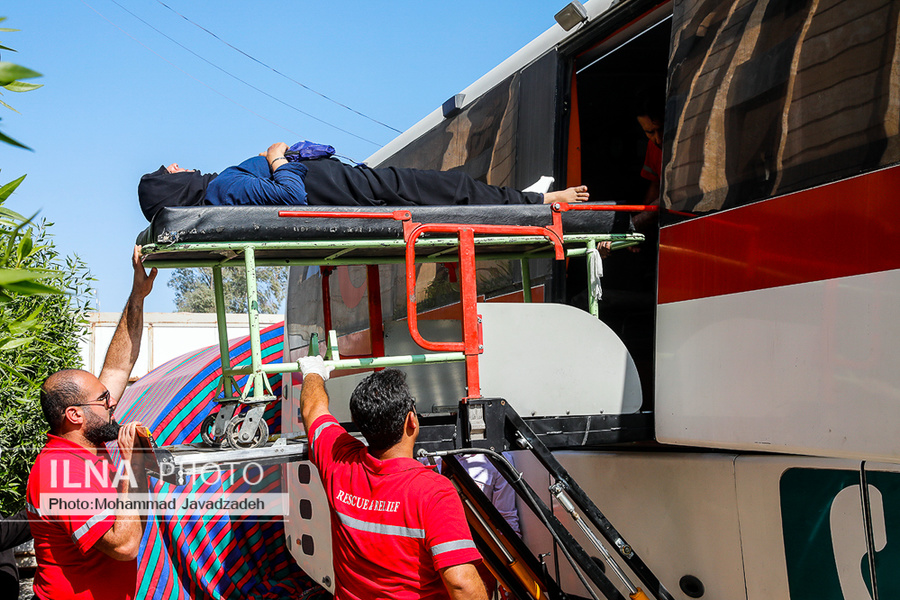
(143, 283)
(122, 540)
(275, 155)
(127, 438)
(315, 365)
(277, 149)
(604, 249)
(313, 396)
(135, 455)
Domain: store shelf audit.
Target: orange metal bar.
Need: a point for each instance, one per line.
(472, 342)
(397, 215)
(565, 206)
(552, 233)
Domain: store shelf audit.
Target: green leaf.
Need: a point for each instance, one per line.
(15, 372)
(19, 86)
(20, 327)
(5, 193)
(16, 343)
(8, 276)
(30, 288)
(12, 239)
(10, 72)
(25, 246)
(12, 142)
(5, 212)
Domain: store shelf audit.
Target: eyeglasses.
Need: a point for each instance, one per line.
(101, 399)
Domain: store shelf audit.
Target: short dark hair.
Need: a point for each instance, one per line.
(379, 406)
(59, 392)
(650, 102)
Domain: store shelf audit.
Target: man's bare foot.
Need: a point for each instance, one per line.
(570, 195)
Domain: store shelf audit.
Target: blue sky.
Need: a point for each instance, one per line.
(128, 86)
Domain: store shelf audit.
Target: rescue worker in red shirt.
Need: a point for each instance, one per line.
(83, 551)
(398, 528)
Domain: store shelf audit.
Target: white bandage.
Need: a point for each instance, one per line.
(314, 365)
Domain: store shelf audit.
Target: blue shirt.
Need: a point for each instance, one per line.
(251, 182)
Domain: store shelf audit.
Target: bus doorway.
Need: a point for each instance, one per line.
(611, 82)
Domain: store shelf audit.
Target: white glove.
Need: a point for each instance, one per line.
(315, 365)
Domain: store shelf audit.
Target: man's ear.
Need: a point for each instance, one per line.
(412, 422)
(73, 416)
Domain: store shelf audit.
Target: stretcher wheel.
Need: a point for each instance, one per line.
(208, 430)
(259, 439)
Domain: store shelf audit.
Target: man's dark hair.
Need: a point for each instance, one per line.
(379, 406)
(650, 102)
(59, 392)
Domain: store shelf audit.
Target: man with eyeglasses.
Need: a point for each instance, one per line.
(397, 529)
(85, 549)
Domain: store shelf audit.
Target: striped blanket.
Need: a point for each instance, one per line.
(218, 555)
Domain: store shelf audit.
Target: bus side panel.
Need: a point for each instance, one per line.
(779, 324)
(678, 511)
(754, 527)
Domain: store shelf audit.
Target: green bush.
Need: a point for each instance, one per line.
(39, 335)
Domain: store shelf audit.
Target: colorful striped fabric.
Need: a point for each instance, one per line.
(219, 555)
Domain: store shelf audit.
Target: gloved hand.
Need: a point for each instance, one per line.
(315, 365)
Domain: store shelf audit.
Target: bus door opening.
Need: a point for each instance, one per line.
(609, 148)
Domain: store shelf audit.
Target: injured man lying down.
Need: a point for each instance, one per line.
(313, 176)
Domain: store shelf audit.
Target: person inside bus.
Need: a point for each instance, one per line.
(272, 179)
(649, 110)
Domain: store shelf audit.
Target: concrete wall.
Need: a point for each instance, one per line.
(166, 336)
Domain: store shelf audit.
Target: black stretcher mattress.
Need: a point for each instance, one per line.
(233, 224)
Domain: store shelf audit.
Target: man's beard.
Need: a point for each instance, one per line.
(99, 432)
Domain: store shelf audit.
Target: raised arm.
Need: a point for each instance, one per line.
(126, 341)
(313, 397)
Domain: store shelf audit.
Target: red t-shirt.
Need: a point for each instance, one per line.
(394, 523)
(68, 565)
(652, 162)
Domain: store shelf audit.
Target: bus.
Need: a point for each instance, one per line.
(758, 314)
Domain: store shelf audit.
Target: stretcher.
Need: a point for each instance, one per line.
(325, 237)
(252, 236)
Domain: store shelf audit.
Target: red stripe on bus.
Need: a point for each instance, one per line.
(837, 230)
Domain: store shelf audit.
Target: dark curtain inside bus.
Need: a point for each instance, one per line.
(768, 97)
(502, 138)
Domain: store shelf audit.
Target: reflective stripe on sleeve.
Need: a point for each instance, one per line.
(319, 430)
(81, 531)
(369, 527)
(450, 546)
(33, 509)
